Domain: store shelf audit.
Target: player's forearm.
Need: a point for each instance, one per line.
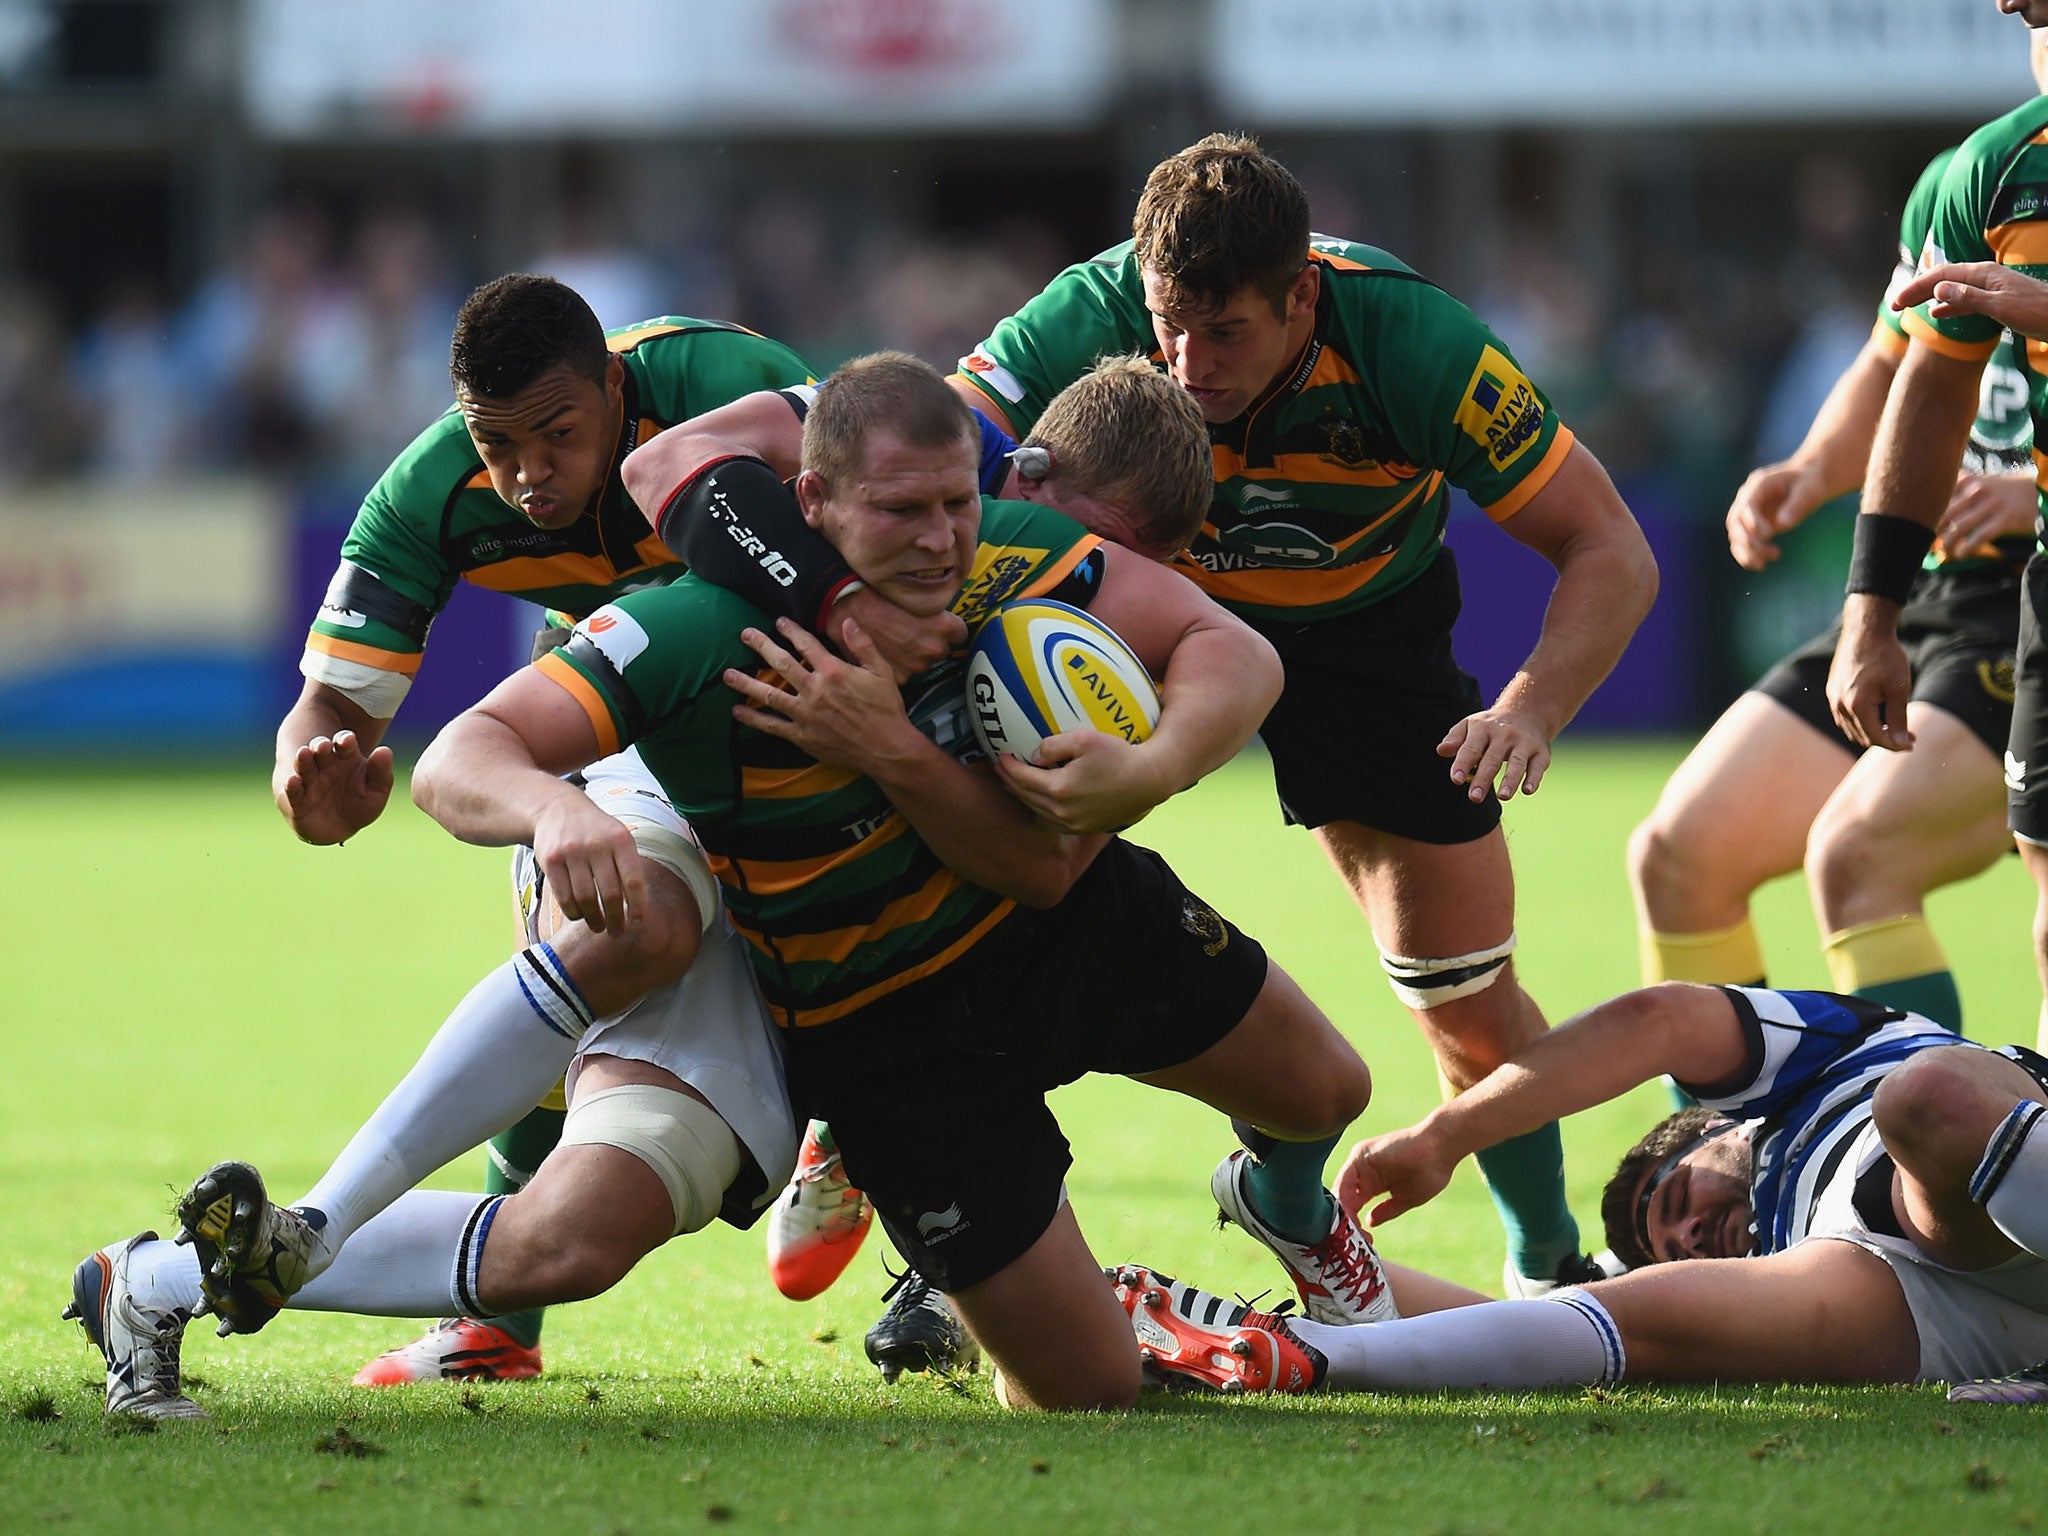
(977, 828)
(1836, 448)
(1221, 682)
(1921, 437)
(1686, 1031)
(478, 779)
(1606, 582)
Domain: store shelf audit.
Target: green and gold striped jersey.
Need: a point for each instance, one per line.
(1331, 491)
(433, 519)
(2002, 437)
(841, 902)
(1992, 205)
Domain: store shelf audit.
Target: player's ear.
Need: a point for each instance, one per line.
(1308, 286)
(614, 377)
(810, 496)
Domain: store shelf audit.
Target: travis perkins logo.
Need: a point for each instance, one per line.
(1501, 410)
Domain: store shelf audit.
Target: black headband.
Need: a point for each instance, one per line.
(1664, 1171)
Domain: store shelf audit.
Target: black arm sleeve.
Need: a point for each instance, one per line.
(739, 527)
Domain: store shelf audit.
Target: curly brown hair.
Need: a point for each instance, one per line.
(1220, 216)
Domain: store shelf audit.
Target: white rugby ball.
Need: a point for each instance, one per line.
(1040, 668)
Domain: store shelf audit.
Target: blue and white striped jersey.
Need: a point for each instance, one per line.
(1815, 1059)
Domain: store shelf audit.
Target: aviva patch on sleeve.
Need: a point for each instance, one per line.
(1501, 410)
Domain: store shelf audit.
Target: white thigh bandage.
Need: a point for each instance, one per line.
(691, 1150)
(679, 854)
(1422, 984)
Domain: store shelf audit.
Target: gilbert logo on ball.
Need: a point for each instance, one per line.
(1041, 668)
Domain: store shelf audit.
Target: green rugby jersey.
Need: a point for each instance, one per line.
(1992, 205)
(433, 519)
(841, 902)
(2002, 437)
(1331, 492)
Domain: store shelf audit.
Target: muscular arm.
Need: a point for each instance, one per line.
(850, 714)
(1920, 442)
(1219, 678)
(1691, 1032)
(331, 775)
(1828, 462)
(1606, 581)
(493, 776)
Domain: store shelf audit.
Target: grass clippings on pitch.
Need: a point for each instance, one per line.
(188, 984)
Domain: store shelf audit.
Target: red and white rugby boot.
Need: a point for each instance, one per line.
(1193, 1341)
(1339, 1276)
(454, 1349)
(818, 1224)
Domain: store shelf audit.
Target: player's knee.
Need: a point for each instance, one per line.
(676, 1136)
(1845, 853)
(1665, 863)
(1335, 1092)
(1918, 1105)
(1107, 1385)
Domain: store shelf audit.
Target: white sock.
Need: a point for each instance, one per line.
(499, 1053)
(1560, 1340)
(163, 1276)
(2011, 1182)
(416, 1258)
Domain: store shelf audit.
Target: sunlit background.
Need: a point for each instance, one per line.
(233, 234)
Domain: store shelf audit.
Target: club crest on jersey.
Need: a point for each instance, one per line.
(1501, 412)
(1201, 920)
(615, 633)
(1344, 442)
(993, 584)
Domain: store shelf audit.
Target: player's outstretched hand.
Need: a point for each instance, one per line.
(908, 643)
(1509, 745)
(1084, 781)
(333, 788)
(593, 871)
(1406, 1167)
(1869, 680)
(1986, 507)
(846, 713)
(2016, 301)
(1774, 499)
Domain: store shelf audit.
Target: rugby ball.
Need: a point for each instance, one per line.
(1040, 668)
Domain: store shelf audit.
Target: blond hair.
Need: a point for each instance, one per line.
(1125, 433)
(882, 392)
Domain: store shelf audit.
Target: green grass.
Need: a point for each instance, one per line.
(186, 983)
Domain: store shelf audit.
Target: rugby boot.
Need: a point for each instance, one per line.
(1190, 1340)
(454, 1349)
(2028, 1387)
(253, 1255)
(140, 1344)
(1577, 1269)
(1339, 1276)
(920, 1331)
(818, 1225)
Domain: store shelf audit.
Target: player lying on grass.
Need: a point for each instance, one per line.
(1875, 830)
(135, 1297)
(1859, 1196)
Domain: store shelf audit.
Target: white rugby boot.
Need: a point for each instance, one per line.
(139, 1344)
(1339, 1276)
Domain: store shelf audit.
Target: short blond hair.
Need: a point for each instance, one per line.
(1125, 433)
(882, 392)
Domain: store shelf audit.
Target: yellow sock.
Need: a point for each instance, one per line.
(1890, 949)
(1724, 957)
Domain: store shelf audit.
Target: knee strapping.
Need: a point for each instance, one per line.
(690, 1148)
(1423, 984)
(682, 858)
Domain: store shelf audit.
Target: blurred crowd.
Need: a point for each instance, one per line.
(322, 348)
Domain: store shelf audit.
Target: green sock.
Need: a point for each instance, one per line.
(1933, 996)
(1525, 1176)
(515, 1154)
(1286, 1186)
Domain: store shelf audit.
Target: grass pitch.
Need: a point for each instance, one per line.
(187, 984)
